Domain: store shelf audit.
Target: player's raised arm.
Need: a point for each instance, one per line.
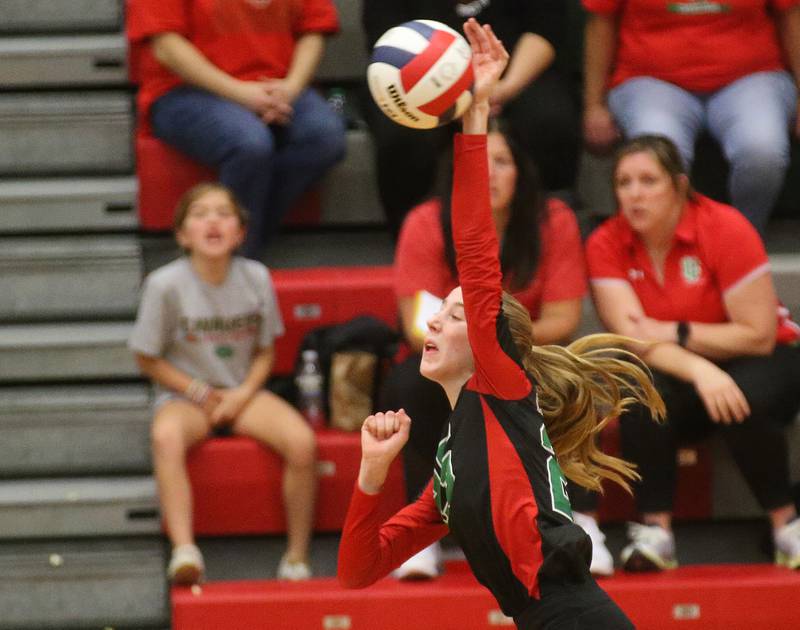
(497, 368)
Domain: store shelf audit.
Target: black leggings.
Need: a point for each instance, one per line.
(771, 386)
(426, 404)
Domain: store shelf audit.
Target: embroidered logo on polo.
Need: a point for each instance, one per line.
(635, 274)
(443, 477)
(698, 7)
(691, 269)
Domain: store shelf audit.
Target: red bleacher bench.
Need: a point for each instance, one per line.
(319, 296)
(693, 493)
(164, 174)
(236, 485)
(712, 597)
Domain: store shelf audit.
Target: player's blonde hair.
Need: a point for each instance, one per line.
(581, 388)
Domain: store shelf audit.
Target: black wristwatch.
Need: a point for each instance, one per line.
(683, 333)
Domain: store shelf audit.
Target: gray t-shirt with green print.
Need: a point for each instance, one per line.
(208, 331)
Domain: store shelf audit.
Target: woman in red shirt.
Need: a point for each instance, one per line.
(691, 276)
(227, 83)
(681, 66)
(543, 266)
(521, 414)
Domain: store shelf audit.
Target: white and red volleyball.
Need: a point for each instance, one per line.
(420, 74)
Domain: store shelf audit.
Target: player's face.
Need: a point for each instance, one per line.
(212, 227)
(446, 353)
(502, 172)
(647, 195)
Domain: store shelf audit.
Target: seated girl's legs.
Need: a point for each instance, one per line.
(308, 146)
(226, 136)
(759, 444)
(178, 425)
(650, 106)
(751, 119)
(272, 421)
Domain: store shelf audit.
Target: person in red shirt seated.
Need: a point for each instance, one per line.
(543, 266)
(690, 277)
(523, 419)
(676, 68)
(227, 83)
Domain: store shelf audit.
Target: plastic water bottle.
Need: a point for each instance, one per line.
(309, 389)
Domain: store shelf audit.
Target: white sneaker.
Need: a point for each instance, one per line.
(293, 571)
(787, 545)
(602, 560)
(652, 548)
(186, 565)
(424, 565)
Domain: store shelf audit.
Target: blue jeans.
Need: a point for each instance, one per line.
(750, 118)
(268, 167)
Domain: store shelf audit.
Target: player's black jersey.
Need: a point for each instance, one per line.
(497, 482)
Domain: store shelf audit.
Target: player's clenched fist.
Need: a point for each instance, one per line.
(383, 435)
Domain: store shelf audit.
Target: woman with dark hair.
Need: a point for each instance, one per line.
(691, 277)
(542, 263)
(523, 417)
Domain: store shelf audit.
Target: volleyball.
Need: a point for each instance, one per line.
(420, 74)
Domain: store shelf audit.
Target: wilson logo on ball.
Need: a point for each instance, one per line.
(420, 74)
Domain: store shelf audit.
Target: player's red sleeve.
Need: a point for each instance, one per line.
(562, 264)
(318, 16)
(369, 550)
(419, 262)
(604, 253)
(477, 258)
(145, 18)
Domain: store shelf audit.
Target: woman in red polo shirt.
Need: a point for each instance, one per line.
(227, 83)
(691, 276)
(543, 265)
(676, 67)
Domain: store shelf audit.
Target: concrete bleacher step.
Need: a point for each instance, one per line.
(237, 485)
(73, 351)
(41, 16)
(716, 597)
(71, 585)
(67, 205)
(66, 133)
(76, 60)
(74, 430)
(80, 507)
(786, 274)
(69, 277)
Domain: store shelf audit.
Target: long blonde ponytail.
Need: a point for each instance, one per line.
(581, 388)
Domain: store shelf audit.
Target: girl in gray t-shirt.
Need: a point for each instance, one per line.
(204, 335)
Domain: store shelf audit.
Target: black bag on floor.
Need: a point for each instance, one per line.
(353, 358)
